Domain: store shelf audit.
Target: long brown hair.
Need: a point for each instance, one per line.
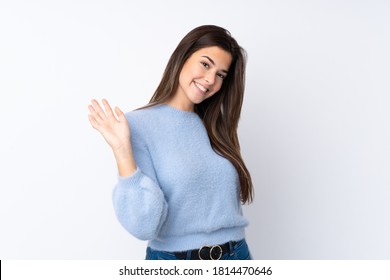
(221, 112)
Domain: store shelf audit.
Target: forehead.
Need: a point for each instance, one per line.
(222, 58)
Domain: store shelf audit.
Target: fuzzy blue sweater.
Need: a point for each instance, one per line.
(183, 195)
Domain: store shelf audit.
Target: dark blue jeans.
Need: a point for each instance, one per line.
(239, 251)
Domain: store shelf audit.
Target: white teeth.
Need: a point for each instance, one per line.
(201, 87)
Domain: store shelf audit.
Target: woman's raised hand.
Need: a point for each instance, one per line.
(115, 130)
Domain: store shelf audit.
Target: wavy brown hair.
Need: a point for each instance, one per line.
(221, 112)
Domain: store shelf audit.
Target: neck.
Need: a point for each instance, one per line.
(181, 105)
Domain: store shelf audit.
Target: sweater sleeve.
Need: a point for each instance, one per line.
(139, 202)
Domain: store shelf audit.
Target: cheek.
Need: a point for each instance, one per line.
(188, 74)
(198, 71)
(217, 86)
(185, 76)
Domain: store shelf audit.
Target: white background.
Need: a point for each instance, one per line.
(314, 130)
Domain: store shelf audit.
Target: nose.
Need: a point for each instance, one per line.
(210, 78)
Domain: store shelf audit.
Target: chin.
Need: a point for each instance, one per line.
(198, 101)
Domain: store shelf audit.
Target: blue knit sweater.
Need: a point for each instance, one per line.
(183, 195)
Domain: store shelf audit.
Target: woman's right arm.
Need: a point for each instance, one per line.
(139, 202)
(116, 132)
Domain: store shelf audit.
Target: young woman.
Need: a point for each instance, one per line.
(181, 176)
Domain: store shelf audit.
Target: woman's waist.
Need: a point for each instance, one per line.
(190, 241)
(180, 222)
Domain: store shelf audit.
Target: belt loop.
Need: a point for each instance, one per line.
(189, 253)
(231, 247)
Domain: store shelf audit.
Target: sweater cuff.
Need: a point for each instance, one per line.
(133, 179)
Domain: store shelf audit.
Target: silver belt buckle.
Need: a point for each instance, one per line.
(220, 252)
(201, 250)
(211, 252)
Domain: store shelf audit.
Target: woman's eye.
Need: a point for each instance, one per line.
(205, 64)
(221, 76)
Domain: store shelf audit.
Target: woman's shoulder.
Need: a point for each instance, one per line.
(144, 117)
(141, 113)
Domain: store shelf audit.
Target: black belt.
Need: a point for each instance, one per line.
(207, 252)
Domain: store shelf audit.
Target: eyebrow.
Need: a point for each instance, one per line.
(213, 63)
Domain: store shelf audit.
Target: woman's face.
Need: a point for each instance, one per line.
(201, 76)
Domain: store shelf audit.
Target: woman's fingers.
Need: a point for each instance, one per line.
(93, 121)
(95, 114)
(112, 124)
(120, 115)
(101, 118)
(98, 110)
(108, 109)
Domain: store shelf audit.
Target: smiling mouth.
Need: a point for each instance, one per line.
(202, 88)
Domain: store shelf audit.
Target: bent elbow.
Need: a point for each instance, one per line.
(144, 225)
